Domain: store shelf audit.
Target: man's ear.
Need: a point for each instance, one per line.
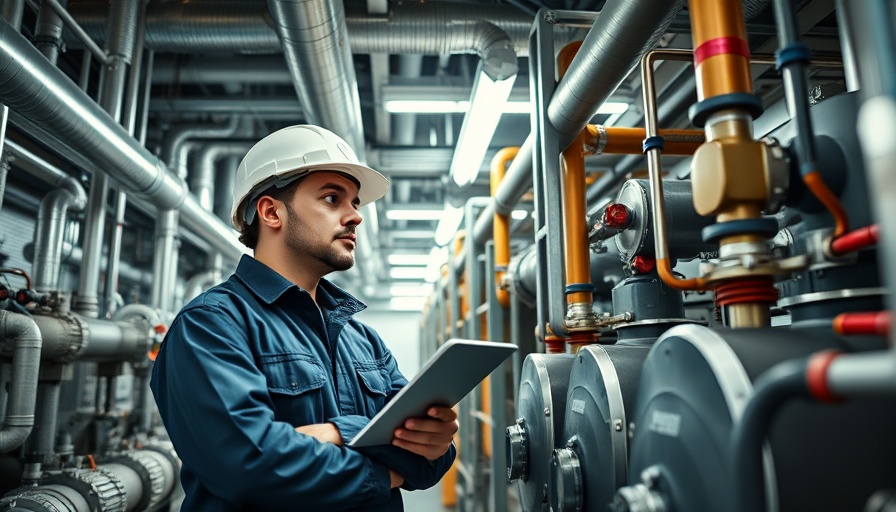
(267, 209)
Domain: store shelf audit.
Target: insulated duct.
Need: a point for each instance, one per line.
(51, 218)
(624, 30)
(208, 26)
(39, 91)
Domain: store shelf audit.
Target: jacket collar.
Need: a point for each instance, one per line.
(266, 284)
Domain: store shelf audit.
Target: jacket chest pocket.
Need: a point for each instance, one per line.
(375, 385)
(295, 383)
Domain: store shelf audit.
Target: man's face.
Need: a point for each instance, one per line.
(322, 218)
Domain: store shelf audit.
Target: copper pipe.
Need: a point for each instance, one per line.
(575, 230)
(721, 55)
(501, 226)
(607, 140)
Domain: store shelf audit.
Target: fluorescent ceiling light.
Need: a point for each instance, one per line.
(520, 214)
(414, 214)
(447, 227)
(486, 107)
(410, 290)
(408, 272)
(407, 260)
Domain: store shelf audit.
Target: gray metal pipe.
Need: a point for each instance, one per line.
(51, 219)
(203, 181)
(41, 93)
(174, 149)
(48, 31)
(624, 30)
(318, 55)
(209, 26)
(164, 267)
(43, 437)
(19, 418)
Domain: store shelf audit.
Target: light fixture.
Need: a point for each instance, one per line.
(407, 303)
(407, 272)
(407, 260)
(520, 214)
(451, 219)
(414, 214)
(486, 106)
(422, 106)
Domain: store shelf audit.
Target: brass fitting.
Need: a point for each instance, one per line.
(725, 169)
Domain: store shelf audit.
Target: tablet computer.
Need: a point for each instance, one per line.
(452, 372)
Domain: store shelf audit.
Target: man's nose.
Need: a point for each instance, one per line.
(354, 217)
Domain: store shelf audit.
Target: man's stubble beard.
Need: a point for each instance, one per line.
(298, 243)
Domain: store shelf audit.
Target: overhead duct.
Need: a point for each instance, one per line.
(207, 26)
(40, 92)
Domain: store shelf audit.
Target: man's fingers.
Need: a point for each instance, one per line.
(427, 425)
(442, 413)
(424, 438)
(429, 451)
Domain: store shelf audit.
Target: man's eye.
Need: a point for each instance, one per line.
(331, 198)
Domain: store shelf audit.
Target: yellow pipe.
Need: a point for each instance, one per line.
(629, 141)
(575, 231)
(721, 55)
(501, 227)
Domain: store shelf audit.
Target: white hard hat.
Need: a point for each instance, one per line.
(295, 151)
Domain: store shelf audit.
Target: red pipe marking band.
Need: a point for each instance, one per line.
(817, 375)
(719, 46)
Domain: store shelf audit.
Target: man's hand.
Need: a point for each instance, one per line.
(430, 436)
(395, 480)
(323, 432)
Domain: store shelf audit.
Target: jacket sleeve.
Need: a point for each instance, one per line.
(215, 405)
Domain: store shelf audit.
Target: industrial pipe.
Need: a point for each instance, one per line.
(26, 338)
(48, 32)
(580, 317)
(857, 324)
(120, 25)
(657, 205)
(792, 59)
(622, 32)
(215, 26)
(613, 140)
(40, 92)
(501, 225)
(855, 240)
(48, 239)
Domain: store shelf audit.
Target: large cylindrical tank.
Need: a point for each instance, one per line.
(541, 402)
(695, 384)
(593, 459)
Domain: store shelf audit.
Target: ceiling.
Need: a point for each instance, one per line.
(229, 65)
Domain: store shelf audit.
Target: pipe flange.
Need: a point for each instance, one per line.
(152, 476)
(580, 316)
(566, 476)
(643, 496)
(517, 451)
(37, 499)
(748, 266)
(100, 487)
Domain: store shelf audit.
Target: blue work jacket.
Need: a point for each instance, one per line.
(252, 358)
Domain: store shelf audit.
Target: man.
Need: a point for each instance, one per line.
(262, 379)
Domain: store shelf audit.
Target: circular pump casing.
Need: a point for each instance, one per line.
(586, 472)
(696, 382)
(541, 403)
(681, 219)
